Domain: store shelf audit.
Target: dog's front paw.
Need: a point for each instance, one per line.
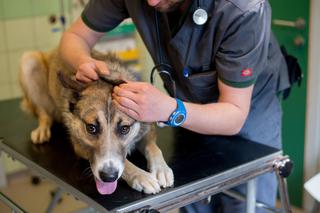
(164, 174)
(40, 135)
(144, 181)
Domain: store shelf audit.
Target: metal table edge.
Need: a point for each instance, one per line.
(200, 184)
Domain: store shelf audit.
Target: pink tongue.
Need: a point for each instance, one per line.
(106, 188)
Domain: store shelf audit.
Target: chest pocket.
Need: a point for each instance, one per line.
(203, 86)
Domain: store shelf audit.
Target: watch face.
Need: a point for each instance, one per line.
(179, 119)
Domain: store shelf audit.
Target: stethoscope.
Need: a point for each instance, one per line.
(199, 17)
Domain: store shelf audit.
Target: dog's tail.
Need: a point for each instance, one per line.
(31, 61)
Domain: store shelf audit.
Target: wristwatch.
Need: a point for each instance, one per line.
(178, 116)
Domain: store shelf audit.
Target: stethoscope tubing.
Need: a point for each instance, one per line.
(163, 68)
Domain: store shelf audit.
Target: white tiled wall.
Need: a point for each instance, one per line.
(43, 34)
(19, 34)
(3, 45)
(16, 37)
(4, 67)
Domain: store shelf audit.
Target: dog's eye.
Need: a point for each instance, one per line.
(123, 130)
(92, 129)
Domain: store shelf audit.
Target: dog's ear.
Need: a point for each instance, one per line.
(75, 86)
(113, 82)
(70, 83)
(114, 79)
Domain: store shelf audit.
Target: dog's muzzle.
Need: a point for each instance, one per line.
(107, 183)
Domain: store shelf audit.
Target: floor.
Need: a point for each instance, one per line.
(35, 198)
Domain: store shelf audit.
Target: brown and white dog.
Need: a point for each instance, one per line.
(99, 132)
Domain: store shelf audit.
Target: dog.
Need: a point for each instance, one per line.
(99, 132)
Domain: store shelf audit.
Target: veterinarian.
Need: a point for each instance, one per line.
(219, 62)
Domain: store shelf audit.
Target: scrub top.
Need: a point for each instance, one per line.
(235, 45)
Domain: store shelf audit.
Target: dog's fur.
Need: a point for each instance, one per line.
(98, 131)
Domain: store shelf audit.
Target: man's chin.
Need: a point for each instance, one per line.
(167, 9)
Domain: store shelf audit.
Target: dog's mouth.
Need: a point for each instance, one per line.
(106, 188)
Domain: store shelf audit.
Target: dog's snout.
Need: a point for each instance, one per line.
(109, 174)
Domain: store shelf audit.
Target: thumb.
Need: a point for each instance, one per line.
(102, 68)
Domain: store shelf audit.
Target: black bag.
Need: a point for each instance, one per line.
(294, 71)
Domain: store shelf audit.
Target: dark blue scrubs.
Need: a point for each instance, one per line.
(235, 45)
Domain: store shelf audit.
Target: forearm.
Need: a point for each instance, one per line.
(226, 117)
(214, 119)
(76, 44)
(73, 49)
(144, 102)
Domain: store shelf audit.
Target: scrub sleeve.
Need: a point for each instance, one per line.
(103, 16)
(242, 55)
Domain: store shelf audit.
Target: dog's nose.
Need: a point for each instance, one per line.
(108, 174)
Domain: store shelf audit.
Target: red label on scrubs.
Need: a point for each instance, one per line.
(246, 72)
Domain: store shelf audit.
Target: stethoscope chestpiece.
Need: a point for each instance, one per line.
(200, 16)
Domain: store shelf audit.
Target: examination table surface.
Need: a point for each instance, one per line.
(202, 166)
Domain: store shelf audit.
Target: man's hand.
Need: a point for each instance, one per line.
(143, 102)
(89, 69)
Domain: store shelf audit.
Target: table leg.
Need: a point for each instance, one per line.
(284, 197)
(55, 200)
(3, 178)
(251, 196)
(283, 169)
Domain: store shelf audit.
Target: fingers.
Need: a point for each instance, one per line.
(127, 111)
(81, 77)
(102, 68)
(87, 72)
(136, 87)
(120, 91)
(126, 102)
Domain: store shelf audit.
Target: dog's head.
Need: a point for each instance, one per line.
(99, 131)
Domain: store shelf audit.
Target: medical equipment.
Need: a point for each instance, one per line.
(200, 16)
(163, 69)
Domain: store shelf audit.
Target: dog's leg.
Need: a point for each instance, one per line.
(139, 179)
(42, 133)
(33, 78)
(156, 163)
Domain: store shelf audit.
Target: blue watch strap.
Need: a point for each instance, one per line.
(178, 116)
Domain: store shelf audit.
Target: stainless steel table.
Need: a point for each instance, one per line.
(202, 165)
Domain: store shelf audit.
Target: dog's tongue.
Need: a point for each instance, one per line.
(106, 188)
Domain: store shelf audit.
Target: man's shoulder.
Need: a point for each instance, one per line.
(245, 5)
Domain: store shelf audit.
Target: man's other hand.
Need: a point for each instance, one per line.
(143, 102)
(89, 70)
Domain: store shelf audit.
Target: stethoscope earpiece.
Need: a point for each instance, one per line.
(200, 16)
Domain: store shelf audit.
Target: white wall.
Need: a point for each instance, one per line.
(312, 146)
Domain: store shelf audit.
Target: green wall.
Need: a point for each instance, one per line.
(294, 108)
